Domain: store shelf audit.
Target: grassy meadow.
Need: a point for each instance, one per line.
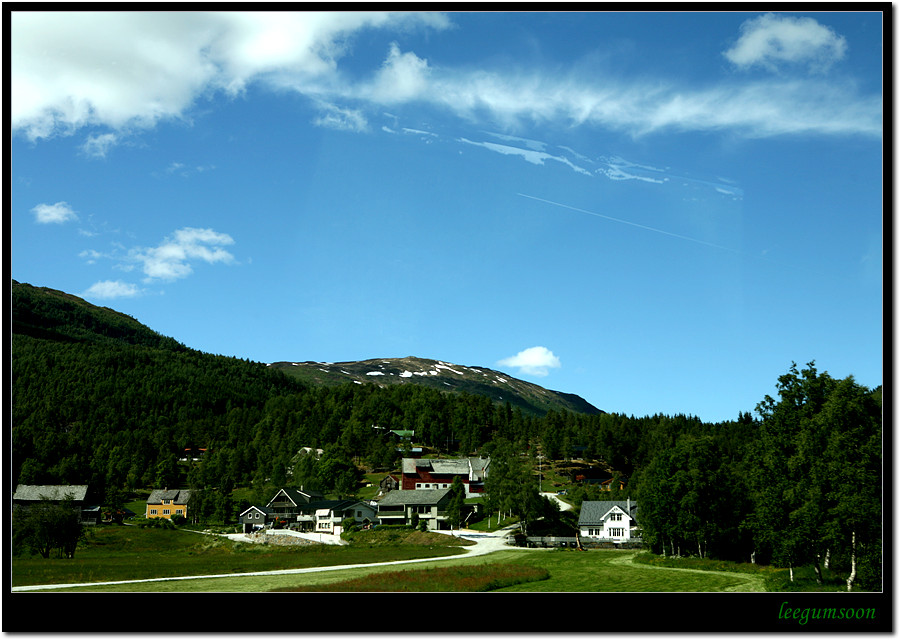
(133, 553)
(550, 570)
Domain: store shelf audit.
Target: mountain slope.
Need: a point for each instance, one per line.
(54, 315)
(440, 375)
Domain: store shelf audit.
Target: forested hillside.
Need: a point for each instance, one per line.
(99, 399)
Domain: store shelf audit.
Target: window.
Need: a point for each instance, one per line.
(616, 516)
(616, 533)
(167, 502)
(256, 515)
(179, 511)
(152, 512)
(165, 512)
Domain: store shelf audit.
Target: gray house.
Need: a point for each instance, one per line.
(609, 520)
(30, 494)
(401, 507)
(255, 517)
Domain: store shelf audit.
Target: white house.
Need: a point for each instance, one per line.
(609, 520)
(327, 516)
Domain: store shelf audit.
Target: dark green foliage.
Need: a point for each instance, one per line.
(44, 527)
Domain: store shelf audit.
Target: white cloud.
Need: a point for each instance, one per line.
(132, 69)
(771, 41)
(533, 361)
(125, 70)
(335, 117)
(172, 259)
(111, 289)
(97, 146)
(402, 77)
(53, 213)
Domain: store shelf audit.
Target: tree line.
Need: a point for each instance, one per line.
(797, 483)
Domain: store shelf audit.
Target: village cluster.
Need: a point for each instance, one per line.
(418, 496)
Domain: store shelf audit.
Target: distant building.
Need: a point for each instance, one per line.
(403, 507)
(388, 483)
(165, 503)
(439, 474)
(609, 520)
(27, 495)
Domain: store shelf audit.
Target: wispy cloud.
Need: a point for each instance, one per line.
(173, 258)
(97, 146)
(534, 157)
(772, 41)
(534, 361)
(334, 117)
(185, 171)
(109, 289)
(125, 70)
(53, 213)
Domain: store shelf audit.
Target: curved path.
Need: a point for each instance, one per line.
(749, 582)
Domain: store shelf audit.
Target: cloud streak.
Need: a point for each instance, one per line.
(632, 224)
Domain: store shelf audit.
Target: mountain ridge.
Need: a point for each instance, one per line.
(48, 314)
(439, 374)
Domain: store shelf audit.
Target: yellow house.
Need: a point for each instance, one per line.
(165, 503)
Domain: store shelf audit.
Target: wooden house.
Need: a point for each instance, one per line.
(27, 495)
(255, 517)
(165, 503)
(609, 520)
(388, 483)
(287, 502)
(435, 473)
(403, 507)
(327, 516)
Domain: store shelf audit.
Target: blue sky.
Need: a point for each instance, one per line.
(658, 212)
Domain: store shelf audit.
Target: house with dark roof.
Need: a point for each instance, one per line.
(388, 483)
(609, 520)
(403, 507)
(438, 473)
(27, 495)
(287, 502)
(165, 503)
(255, 517)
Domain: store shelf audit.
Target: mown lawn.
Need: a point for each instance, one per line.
(569, 571)
(132, 553)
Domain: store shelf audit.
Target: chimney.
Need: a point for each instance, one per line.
(628, 502)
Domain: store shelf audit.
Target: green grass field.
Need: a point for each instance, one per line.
(569, 571)
(132, 553)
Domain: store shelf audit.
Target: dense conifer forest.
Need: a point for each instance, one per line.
(99, 399)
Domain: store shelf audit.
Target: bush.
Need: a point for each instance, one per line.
(178, 519)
